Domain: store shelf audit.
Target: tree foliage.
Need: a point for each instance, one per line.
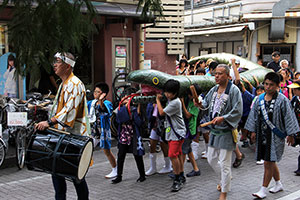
(40, 28)
(150, 8)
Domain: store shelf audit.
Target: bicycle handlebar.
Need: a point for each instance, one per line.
(20, 105)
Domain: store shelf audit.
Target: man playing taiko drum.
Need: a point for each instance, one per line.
(70, 109)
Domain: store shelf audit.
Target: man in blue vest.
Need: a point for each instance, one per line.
(225, 105)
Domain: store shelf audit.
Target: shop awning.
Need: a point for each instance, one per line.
(116, 9)
(268, 15)
(215, 30)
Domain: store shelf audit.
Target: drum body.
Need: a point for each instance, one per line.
(59, 154)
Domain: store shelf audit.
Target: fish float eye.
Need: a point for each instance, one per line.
(155, 81)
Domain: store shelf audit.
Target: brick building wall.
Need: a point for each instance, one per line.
(156, 51)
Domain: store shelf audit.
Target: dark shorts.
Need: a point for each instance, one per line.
(243, 121)
(186, 146)
(265, 153)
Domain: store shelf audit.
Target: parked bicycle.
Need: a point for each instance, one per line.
(2, 149)
(33, 112)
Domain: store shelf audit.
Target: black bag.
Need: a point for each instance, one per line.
(160, 129)
(297, 140)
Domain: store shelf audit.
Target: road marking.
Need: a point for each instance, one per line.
(43, 176)
(24, 180)
(293, 196)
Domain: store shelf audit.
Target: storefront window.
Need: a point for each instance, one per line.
(286, 52)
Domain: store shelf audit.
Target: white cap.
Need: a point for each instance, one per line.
(65, 59)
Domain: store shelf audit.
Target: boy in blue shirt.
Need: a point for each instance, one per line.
(100, 111)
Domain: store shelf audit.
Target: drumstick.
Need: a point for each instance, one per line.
(194, 93)
(206, 124)
(60, 131)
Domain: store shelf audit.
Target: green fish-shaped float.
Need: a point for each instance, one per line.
(157, 79)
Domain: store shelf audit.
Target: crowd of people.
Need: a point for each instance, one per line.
(266, 115)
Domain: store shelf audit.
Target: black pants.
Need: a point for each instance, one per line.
(60, 188)
(298, 163)
(123, 149)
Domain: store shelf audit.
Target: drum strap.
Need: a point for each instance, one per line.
(87, 120)
(55, 155)
(55, 100)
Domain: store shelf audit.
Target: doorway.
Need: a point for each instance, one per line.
(121, 56)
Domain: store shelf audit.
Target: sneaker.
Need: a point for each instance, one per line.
(204, 156)
(117, 180)
(171, 175)
(203, 152)
(297, 172)
(177, 185)
(194, 173)
(277, 188)
(182, 179)
(141, 179)
(260, 162)
(165, 170)
(245, 144)
(261, 194)
(112, 174)
(151, 171)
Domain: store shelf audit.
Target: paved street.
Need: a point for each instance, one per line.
(24, 184)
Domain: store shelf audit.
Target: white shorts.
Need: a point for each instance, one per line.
(154, 136)
(202, 130)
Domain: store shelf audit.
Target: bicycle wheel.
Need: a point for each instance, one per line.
(2, 152)
(20, 148)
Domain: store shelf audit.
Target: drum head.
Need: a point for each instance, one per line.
(85, 160)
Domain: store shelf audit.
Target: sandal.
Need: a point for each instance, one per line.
(238, 162)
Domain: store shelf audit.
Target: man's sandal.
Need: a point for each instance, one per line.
(238, 162)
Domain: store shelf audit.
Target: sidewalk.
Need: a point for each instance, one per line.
(24, 184)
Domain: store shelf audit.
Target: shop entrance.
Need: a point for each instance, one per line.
(121, 56)
(286, 52)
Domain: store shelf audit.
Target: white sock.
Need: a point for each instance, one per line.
(206, 147)
(264, 189)
(278, 182)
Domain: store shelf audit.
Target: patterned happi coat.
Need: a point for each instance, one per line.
(70, 107)
(283, 118)
(135, 121)
(100, 121)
